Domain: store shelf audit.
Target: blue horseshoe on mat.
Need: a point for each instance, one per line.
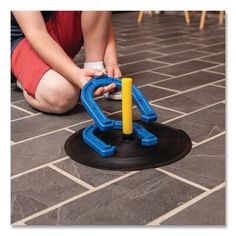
(148, 115)
(106, 150)
(102, 123)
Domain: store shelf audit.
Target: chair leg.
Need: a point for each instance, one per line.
(140, 16)
(203, 20)
(221, 17)
(186, 16)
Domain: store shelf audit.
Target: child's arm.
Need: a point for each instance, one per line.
(34, 29)
(110, 57)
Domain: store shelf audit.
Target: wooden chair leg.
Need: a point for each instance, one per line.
(140, 16)
(186, 16)
(203, 20)
(221, 17)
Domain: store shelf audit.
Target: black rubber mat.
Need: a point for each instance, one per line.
(173, 144)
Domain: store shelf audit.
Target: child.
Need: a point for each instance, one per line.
(43, 46)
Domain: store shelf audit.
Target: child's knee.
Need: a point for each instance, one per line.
(64, 102)
(58, 100)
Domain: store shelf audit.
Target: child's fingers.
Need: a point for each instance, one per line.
(117, 73)
(110, 71)
(99, 91)
(109, 88)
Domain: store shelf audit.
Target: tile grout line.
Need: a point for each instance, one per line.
(42, 212)
(185, 205)
(25, 117)
(38, 167)
(216, 72)
(219, 86)
(69, 176)
(204, 60)
(169, 109)
(162, 62)
(51, 132)
(22, 109)
(200, 58)
(38, 136)
(190, 113)
(160, 87)
(70, 130)
(184, 91)
(188, 73)
(183, 179)
(209, 139)
(18, 101)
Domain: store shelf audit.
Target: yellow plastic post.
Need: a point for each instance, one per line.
(127, 118)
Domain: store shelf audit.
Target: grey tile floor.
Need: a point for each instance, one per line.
(182, 72)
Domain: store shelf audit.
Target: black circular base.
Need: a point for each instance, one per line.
(173, 145)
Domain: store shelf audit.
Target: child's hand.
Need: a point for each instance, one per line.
(87, 74)
(113, 71)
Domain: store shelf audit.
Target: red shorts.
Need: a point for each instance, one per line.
(65, 28)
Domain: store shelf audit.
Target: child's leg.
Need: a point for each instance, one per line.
(44, 88)
(54, 94)
(95, 28)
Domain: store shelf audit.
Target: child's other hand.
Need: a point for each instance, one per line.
(87, 74)
(113, 71)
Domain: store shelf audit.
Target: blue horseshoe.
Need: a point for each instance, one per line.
(148, 115)
(106, 150)
(102, 123)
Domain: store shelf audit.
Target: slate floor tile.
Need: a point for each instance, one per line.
(135, 200)
(189, 81)
(36, 152)
(178, 48)
(23, 104)
(15, 113)
(218, 58)
(203, 124)
(143, 78)
(181, 56)
(185, 67)
(43, 123)
(135, 48)
(215, 48)
(16, 95)
(208, 211)
(213, 40)
(109, 105)
(136, 57)
(222, 83)
(153, 93)
(38, 190)
(183, 39)
(220, 69)
(194, 100)
(94, 177)
(134, 41)
(170, 35)
(81, 126)
(140, 66)
(205, 164)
